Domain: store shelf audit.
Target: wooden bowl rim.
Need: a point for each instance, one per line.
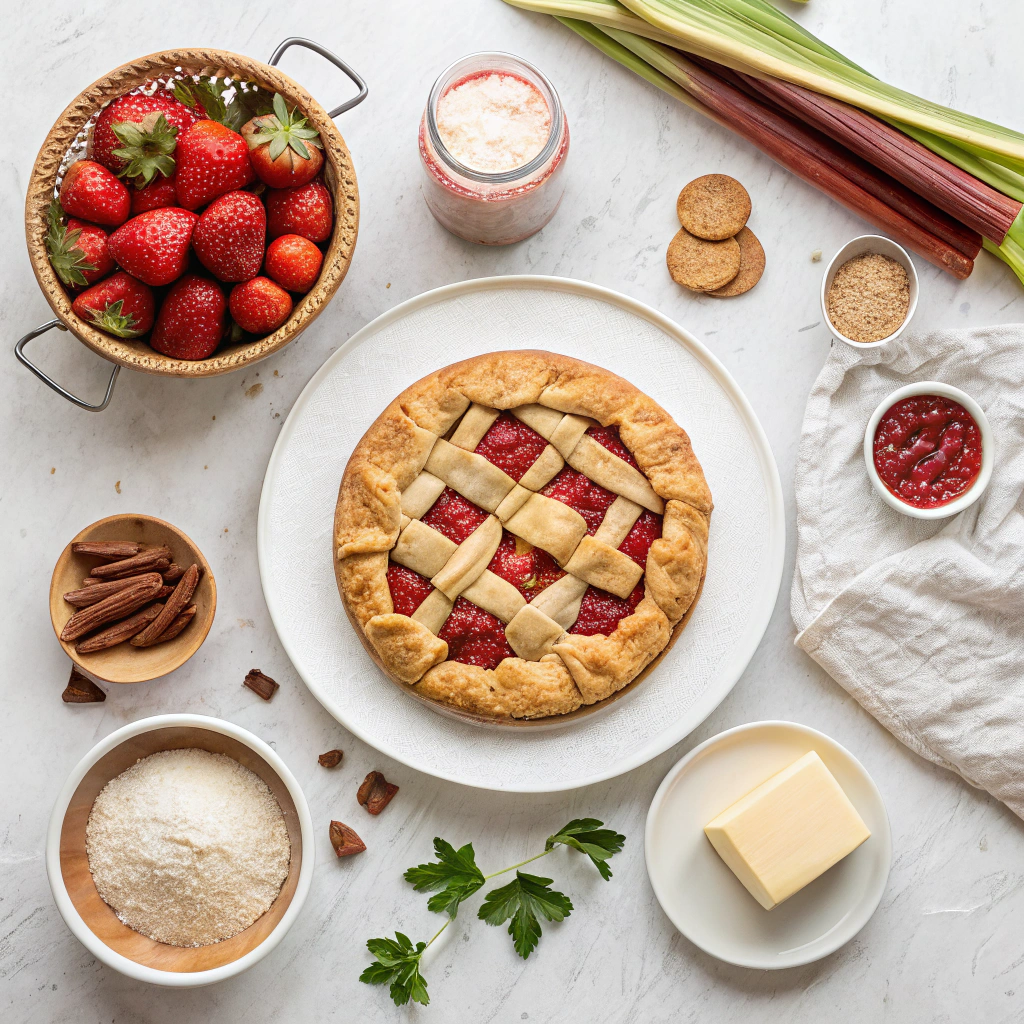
(77, 924)
(344, 189)
(200, 630)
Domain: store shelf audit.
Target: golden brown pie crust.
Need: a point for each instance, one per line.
(578, 670)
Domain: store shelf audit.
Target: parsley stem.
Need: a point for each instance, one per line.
(505, 871)
(437, 933)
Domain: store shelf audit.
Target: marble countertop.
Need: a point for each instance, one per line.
(946, 942)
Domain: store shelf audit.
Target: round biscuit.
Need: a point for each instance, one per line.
(751, 266)
(714, 207)
(700, 265)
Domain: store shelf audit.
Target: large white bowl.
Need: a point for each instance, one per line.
(95, 925)
(706, 901)
(974, 492)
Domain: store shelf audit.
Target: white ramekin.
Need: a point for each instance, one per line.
(857, 247)
(974, 492)
(95, 945)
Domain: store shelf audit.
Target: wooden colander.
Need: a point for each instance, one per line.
(70, 132)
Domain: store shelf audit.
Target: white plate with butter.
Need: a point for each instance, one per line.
(703, 897)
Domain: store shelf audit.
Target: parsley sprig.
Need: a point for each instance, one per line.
(454, 877)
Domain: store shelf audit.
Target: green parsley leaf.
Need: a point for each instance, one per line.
(398, 962)
(523, 900)
(453, 877)
(587, 836)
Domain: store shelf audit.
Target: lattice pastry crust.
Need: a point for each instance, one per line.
(425, 440)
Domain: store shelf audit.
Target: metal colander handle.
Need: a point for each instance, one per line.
(335, 60)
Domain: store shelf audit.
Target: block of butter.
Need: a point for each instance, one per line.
(788, 831)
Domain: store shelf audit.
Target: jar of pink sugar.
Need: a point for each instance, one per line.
(493, 142)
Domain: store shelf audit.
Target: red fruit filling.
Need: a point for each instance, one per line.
(511, 446)
(646, 530)
(601, 612)
(608, 437)
(475, 637)
(454, 516)
(579, 492)
(527, 568)
(408, 589)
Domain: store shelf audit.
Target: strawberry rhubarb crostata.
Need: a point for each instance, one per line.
(520, 534)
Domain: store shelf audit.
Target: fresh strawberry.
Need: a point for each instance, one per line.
(230, 236)
(94, 242)
(285, 152)
(120, 305)
(305, 210)
(143, 113)
(259, 306)
(293, 262)
(78, 252)
(153, 196)
(212, 160)
(192, 320)
(91, 192)
(154, 246)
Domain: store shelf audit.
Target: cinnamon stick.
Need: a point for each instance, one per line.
(108, 549)
(99, 590)
(120, 631)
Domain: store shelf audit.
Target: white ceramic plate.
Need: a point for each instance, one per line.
(706, 901)
(440, 327)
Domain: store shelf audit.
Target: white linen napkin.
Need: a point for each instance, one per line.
(921, 621)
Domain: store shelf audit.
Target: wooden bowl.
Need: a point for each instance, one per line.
(124, 663)
(339, 176)
(96, 925)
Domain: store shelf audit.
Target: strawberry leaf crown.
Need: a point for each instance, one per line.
(229, 103)
(113, 321)
(67, 259)
(284, 129)
(146, 148)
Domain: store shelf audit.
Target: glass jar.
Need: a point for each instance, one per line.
(493, 207)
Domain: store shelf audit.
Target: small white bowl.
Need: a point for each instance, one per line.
(857, 247)
(974, 492)
(96, 926)
(705, 900)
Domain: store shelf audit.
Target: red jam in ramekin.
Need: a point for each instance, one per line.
(927, 450)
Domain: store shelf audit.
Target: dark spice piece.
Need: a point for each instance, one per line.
(331, 759)
(152, 559)
(120, 631)
(376, 792)
(173, 572)
(108, 549)
(260, 684)
(91, 593)
(172, 630)
(81, 690)
(345, 841)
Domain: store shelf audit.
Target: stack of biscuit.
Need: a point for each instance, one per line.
(714, 252)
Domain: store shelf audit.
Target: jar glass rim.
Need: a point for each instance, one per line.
(515, 173)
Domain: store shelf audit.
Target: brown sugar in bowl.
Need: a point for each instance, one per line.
(96, 925)
(124, 663)
(339, 176)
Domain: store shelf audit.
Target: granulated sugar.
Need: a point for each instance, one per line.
(188, 847)
(493, 122)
